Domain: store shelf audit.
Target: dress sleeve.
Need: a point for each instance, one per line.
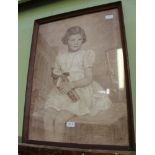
(89, 58)
(57, 68)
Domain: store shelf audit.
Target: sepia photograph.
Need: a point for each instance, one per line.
(78, 88)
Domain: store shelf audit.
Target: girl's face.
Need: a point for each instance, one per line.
(75, 42)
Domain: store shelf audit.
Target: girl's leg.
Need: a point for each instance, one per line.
(49, 123)
(60, 124)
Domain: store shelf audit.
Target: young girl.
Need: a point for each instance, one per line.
(86, 94)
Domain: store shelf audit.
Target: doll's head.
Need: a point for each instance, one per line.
(74, 38)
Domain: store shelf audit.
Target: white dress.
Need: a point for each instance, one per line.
(91, 99)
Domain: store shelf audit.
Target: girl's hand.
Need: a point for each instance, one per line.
(65, 87)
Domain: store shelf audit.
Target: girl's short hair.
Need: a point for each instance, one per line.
(74, 30)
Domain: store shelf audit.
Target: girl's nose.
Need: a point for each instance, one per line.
(76, 42)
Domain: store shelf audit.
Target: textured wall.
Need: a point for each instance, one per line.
(26, 20)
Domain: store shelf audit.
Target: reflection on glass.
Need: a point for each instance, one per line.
(107, 91)
(120, 66)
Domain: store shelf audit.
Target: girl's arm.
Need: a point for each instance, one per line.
(85, 81)
(65, 87)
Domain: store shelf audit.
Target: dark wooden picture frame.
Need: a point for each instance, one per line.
(30, 93)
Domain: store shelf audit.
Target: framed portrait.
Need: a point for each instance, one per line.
(78, 87)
